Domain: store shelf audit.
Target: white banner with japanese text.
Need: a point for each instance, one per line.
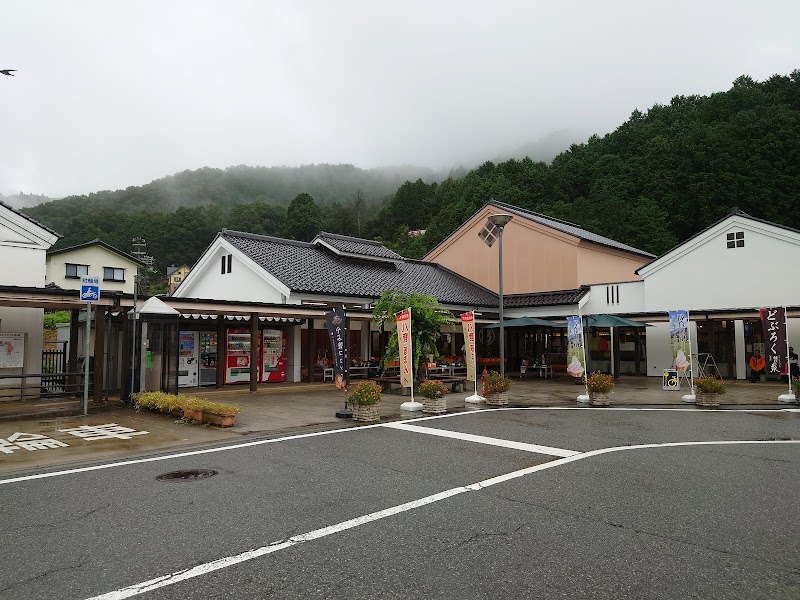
(403, 320)
(468, 324)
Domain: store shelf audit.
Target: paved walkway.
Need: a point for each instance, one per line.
(279, 409)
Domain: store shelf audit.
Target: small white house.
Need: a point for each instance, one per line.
(114, 268)
(23, 245)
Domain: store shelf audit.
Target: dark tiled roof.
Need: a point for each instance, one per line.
(102, 244)
(31, 219)
(309, 268)
(353, 245)
(544, 298)
(568, 228)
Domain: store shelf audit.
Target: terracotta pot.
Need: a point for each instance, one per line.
(366, 413)
(706, 399)
(223, 420)
(497, 399)
(434, 406)
(194, 415)
(599, 399)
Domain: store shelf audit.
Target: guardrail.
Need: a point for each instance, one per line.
(27, 386)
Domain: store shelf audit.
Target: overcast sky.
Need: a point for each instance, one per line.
(112, 94)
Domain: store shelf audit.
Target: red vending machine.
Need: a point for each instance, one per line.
(237, 356)
(273, 355)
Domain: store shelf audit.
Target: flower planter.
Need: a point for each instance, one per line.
(434, 405)
(223, 420)
(706, 399)
(367, 413)
(193, 415)
(497, 399)
(599, 399)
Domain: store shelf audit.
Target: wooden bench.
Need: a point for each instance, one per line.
(386, 382)
(457, 383)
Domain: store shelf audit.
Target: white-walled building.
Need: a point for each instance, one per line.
(23, 246)
(114, 268)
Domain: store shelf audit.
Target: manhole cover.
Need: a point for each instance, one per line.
(186, 475)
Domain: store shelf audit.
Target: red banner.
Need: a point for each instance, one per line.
(403, 319)
(773, 320)
(468, 323)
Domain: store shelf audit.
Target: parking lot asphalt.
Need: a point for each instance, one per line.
(284, 409)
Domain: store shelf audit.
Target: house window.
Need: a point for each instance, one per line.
(227, 261)
(113, 274)
(735, 240)
(76, 271)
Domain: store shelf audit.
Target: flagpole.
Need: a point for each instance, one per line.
(476, 398)
(691, 396)
(583, 397)
(789, 397)
(411, 405)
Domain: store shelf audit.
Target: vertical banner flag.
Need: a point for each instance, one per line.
(679, 339)
(335, 320)
(403, 319)
(468, 323)
(575, 364)
(773, 320)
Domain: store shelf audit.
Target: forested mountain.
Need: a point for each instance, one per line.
(23, 200)
(659, 178)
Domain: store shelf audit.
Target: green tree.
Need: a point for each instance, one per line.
(303, 219)
(427, 318)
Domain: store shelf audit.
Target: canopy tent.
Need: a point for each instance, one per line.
(526, 322)
(612, 321)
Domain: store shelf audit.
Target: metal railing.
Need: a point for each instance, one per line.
(42, 385)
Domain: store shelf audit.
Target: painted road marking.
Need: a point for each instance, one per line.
(137, 461)
(222, 563)
(480, 439)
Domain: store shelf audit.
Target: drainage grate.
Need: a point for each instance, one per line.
(187, 475)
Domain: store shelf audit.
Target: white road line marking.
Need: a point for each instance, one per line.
(480, 439)
(137, 461)
(178, 576)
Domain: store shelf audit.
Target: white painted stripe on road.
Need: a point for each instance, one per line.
(137, 461)
(178, 576)
(480, 439)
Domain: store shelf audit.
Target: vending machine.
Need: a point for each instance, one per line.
(188, 360)
(273, 355)
(237, 356)
(208, 358)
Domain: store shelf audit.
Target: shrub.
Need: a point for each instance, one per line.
(219, 408)
(366, 393)
(599, 383)
(433, 389)
(151, 400)
(494, 383)
(796, 385)
(710, 385)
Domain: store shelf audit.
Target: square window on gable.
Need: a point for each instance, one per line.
(74, 271)
(735, 239)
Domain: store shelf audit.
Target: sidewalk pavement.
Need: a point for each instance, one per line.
(33, 436)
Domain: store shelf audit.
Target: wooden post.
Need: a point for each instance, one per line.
(614, 331)
(125, 363)
(222, 345)
(638, 351)
(254, 344)
(72, 361)
(311, 350)
(99, 353)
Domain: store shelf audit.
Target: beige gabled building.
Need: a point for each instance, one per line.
(115, 269)
(540, 254)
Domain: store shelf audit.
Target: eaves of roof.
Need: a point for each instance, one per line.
(102, 244)
(554, 298)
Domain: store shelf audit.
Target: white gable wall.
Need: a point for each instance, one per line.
(705, 274)
(243, 283)
(22, 266)
(96, 257)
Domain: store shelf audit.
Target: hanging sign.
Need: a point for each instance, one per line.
(679, 339)
(773, 320)
(575, 365)
(468, 323)
(403, 321)
(337, 332)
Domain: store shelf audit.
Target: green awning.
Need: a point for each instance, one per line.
(612, 321)
(526, 322)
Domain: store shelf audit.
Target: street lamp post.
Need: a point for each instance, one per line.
(500, 221)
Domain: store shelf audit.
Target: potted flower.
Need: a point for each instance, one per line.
(495, 388)
(434, 393)
(365, 401)
(599, 387)
(796, 387)
(708, 390)
(219, 413)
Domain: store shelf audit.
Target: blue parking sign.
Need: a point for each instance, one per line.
(90, 289)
